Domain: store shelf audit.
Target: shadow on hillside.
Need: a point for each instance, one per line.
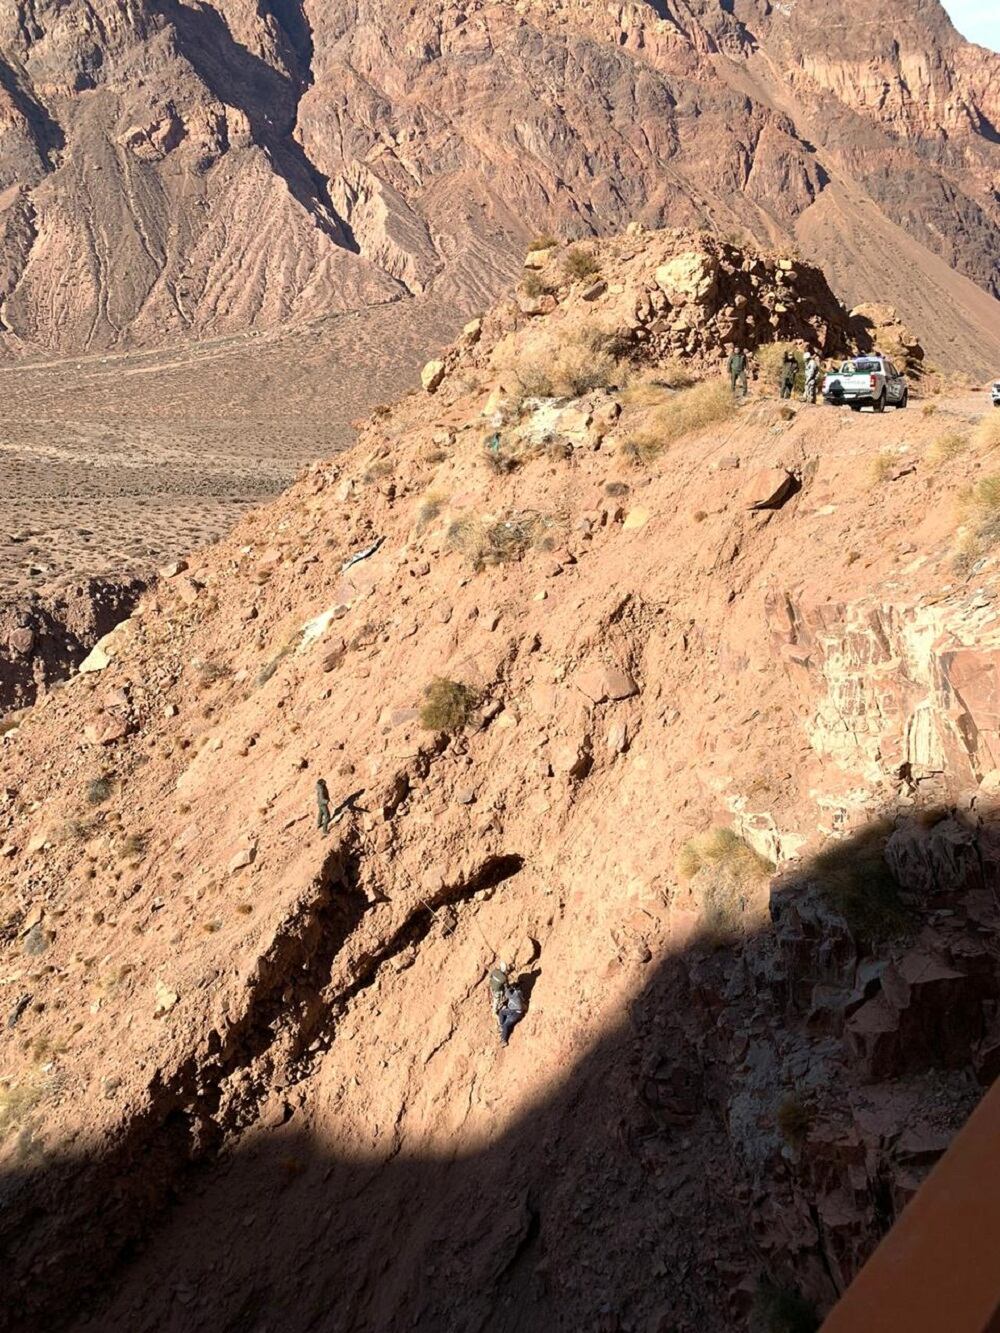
(650, 1190)
(267, 97)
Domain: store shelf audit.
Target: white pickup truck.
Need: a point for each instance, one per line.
(866, 381)
(995, 393)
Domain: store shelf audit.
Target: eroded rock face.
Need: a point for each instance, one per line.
(862, 669)
(47, 638)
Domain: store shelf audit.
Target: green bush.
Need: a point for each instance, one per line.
(447, 705)
(99, 790)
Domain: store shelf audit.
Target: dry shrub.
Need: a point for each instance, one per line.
(882, 466)
(486, 542)
(987, 433)
(979, 507)
(691, 410)
(431, 507)
(580, 262)
(532, 285)
(99, 789)
(17, 1101)
(578, 369)
(542, 243)
(723, 871)
(948, 445)
(654, 386)
(447, 705)
(929, 409)
(378, 470)
(855, 880)
(583, 361)
(134, 844)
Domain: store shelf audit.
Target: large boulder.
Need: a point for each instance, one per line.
(689, 278)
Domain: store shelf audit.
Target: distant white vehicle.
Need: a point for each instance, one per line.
(995, 393)
(866, 381)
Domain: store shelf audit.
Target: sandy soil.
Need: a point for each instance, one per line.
(112, 464)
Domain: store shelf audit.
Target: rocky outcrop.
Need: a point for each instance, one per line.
(43, 639)
(862, 669)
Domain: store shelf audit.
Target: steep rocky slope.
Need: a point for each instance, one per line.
(716, 765)
(207, 167)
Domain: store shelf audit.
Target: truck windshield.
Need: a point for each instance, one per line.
(861, 367)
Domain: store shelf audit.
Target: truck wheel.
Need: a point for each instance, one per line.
(879, 404)
(855, 407)
(904, 401)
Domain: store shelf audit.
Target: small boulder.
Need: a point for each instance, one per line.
(98, 659)
(173, 569)
(105, 728)
(432, 375)
(164, 999)
(244, 857)
(768, 489)
(21, 642)
(601, 682)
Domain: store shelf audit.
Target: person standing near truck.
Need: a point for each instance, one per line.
(738, 372)
(789, 370)
(812, 377)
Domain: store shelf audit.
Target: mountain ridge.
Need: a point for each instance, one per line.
(205, 168)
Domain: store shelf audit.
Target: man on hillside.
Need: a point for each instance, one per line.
(812, 375)
(738, 372)
(510, 1013)
(498, 986)
(789, 370)
(323, 807)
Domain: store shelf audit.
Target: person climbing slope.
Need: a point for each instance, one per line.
(510, 1013)
(498, 980)
(323, 807)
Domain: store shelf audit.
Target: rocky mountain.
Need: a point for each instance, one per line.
(686, 710)
(172, 168)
